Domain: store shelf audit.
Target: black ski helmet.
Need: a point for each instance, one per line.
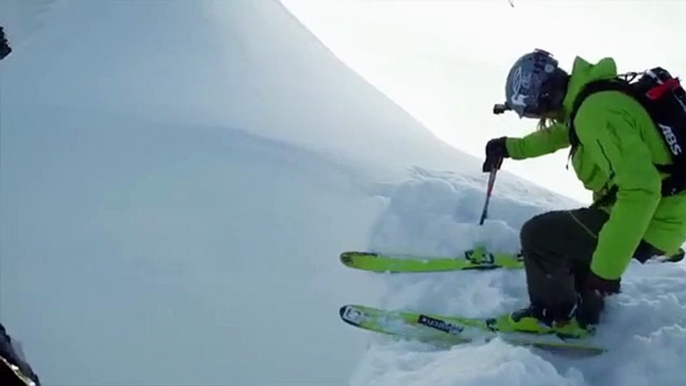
(535, 85)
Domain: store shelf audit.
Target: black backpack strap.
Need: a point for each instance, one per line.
(668, 169)
(591, 88)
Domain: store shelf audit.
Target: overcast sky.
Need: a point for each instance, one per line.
(446, 62)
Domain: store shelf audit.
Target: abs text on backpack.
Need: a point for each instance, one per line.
(664, 99)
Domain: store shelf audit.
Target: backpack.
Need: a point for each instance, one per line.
(664, 99)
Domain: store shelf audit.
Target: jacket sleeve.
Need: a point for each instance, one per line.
(607, 133)
(539, 143)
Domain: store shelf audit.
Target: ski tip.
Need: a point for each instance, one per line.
(347, 258)
(342, 311)
(350, 314)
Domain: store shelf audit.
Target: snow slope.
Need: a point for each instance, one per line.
(177, 179)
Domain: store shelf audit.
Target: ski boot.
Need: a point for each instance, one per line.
(539, 320)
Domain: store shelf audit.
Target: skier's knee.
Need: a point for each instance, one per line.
(530, 232)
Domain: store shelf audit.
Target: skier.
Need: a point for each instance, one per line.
(574, 259)
(14, 370)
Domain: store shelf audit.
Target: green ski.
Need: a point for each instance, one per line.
(444, 330)
(474, 259)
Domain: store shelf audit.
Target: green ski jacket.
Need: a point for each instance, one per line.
(620, 147)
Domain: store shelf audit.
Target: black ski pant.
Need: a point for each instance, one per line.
(558, 247)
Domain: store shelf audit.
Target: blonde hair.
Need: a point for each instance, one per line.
(545, 123)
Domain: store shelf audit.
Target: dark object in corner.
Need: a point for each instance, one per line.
(5, 48)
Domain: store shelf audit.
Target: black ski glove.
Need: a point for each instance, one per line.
(5, 48)
(645, 252)
(496, 150)
(602, 287)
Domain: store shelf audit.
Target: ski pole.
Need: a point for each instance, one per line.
(489, 191)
